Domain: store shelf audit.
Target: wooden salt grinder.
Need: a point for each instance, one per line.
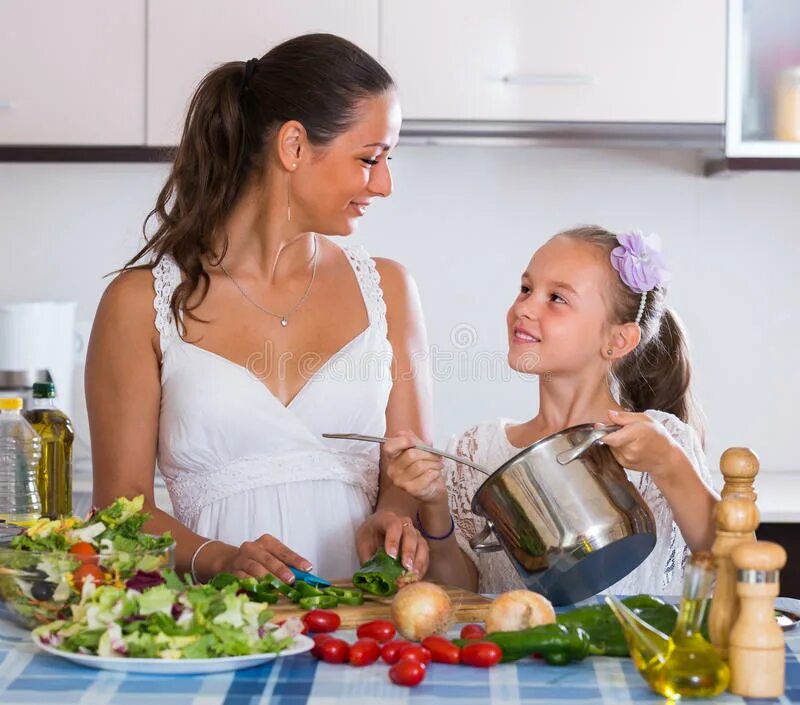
(739, 467)
(736, 520)
(756, 651)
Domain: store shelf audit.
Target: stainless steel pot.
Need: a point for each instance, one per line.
(566, 515)
(563, 510)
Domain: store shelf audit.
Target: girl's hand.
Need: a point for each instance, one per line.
(642, 443)
(416, 472)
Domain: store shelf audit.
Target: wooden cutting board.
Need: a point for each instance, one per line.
(469, 607)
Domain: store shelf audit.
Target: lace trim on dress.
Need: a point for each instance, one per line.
(370, 282)
(166, 276)
(190, 492)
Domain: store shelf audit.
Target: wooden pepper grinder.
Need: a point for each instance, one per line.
(739, 467)
(736, 520)
(756, 651)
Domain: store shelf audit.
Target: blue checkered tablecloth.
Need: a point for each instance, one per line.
(31, 677)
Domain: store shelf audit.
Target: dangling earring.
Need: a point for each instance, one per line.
(288, 201)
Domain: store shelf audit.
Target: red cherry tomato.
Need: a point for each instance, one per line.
(381, 630)
(481, 653)
(364, 652)
(414, 652)
(305, 626)
(321, 621)
(473, 631)
(442, 650)
(389, 652)
(84, 572)
(319, 640)
(334, 650)
(84, 552)
(407, 673)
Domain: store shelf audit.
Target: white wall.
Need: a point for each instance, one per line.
(465, 221)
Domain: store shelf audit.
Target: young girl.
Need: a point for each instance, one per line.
(592, 322)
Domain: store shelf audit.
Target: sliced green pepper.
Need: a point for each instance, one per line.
(346, 596)
(379, 574)
(304, 589)
(318, 602)
(557, 643)
(281, 587)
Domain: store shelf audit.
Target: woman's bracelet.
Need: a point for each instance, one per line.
(436, 538)
(194, 557)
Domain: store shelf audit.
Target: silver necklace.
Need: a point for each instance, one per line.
(284, 317)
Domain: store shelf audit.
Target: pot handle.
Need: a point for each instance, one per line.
(478, 543)
(567, 456)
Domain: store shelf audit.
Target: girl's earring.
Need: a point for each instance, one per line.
(609, 352)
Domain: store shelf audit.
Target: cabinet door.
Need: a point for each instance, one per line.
(571, 60)
(186, 40)
(72, 73)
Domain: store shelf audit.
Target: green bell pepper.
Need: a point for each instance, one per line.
(605, 633)
(318, 602)
(379, 574)
(346, 596)
(559, 644)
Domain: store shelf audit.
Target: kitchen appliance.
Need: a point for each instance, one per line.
(37, 344)
(565, 513)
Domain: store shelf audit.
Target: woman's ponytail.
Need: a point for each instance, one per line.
(319, 80)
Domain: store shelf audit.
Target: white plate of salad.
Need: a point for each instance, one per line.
(177, 667)
(169, 626)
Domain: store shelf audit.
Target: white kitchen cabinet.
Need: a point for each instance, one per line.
(72, 73)
(764, 81)
(186, 40)
(571, 60)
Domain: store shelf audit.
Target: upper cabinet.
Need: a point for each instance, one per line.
(570, 60)
(764, 80)
(186, 40)
(72, 73)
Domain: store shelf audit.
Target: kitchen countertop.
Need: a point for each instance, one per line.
(28, 676)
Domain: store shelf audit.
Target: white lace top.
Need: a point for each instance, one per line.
(661, 573)
(238, 463)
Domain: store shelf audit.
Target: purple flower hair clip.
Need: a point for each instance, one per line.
(640, 265)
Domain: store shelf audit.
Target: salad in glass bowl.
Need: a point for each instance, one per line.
(44, 568)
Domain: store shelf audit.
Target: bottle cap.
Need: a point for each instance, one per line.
(10, 404)
(44, 390)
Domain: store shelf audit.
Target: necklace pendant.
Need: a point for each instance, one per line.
(284, 321)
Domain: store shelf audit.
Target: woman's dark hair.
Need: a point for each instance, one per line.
(320, 80)
(657, 373)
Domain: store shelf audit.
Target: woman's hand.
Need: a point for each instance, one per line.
(397, 535)
(414, 471)
(264, 555)
(642, 444)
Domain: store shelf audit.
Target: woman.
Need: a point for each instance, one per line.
(262, 334)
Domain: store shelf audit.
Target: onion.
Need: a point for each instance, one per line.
(421, 609)
(519, 609)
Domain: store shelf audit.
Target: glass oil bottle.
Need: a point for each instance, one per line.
(683, 664)
(54, 477)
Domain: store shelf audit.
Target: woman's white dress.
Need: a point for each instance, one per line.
(487, 444)
(238, 463)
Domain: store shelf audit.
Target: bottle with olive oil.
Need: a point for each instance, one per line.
(54, 476)
(683, 664)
